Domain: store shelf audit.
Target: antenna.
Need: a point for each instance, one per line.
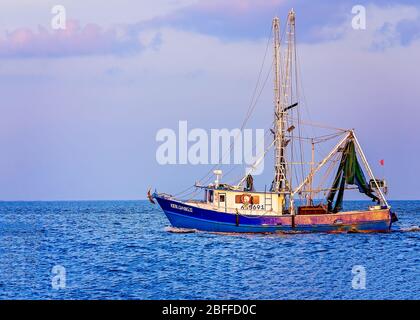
(218, 174)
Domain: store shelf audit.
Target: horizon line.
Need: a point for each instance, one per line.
(145, 199)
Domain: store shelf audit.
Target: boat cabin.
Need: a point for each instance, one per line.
(226, 199)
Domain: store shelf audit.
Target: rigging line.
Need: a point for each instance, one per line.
(289, 98)
(318, 139)
(305, 102)
(299, 70)
(281, 88)
(319, 143)
(265, 151)
(241, 176)
(183, 191)
(193, 195)
(256, 163)
(268, 132)
(298, 98)
(321, 139)
(238, 178)
(323, 179)
(252, 104)
(321, 125)
(253, 107)
(291, 83)
(282, 36)
(316, 191)
(327, 173)
(249, 113)
(249, 109)
(333, 163)
(190, 193)
(232, 143)
(234, 181)
(307, 109)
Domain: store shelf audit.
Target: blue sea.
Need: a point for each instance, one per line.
(127, 250)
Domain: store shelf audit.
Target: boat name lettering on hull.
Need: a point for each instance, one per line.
(175, 206)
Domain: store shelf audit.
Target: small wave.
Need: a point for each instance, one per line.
(410, 229)
(179, 230)
(289, 232)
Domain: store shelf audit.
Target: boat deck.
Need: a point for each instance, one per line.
(259, 213)
(209, 206)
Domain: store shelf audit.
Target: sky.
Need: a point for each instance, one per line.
(80, 108)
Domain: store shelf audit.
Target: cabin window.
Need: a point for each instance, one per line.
(211, 196)
(222, 198)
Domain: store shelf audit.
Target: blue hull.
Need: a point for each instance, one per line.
(187, 222)
(185, 216)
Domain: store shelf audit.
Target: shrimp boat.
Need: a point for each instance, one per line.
(292, 202)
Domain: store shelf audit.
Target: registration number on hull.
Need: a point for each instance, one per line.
(252, 207)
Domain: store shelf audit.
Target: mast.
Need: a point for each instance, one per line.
(283, 96)
(289, 95)
(279, 182)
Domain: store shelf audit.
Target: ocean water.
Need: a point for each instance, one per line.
(126, 250)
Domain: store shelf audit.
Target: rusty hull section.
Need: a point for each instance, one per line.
(353, 221)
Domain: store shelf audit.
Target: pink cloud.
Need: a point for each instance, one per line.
(75, 40)
(238, 6)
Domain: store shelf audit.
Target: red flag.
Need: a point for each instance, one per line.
(382, 162)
